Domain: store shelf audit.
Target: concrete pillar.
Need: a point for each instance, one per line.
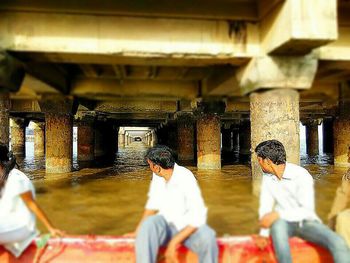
(311, 127)
(18, 136)
(100, 150)
(154, 139)
(328, 138)
(208, 142)
(59, 142)
(4, 118)
(127, 139)
(274, 114)
(39, 138)
(86, 140)
(342, 127)
(185, 137)
(121, 139)
(244, 140)
(341, 142)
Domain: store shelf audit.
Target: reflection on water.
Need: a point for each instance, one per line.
(110, 200)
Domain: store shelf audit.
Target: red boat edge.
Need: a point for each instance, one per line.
(235, 249)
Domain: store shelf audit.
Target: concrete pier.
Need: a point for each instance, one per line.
(18, 136)
(39, 138)
(328, 137)
(311, 127)
(342, 128)
(341, 142)
(4, 118)
(274, 115)
(99, 150)
(59, 142)
(86, 140)
(185, 137)
(121, 138)
(208, 142)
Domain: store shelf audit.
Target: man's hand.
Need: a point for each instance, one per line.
(170, 253)
(267, 220)
(261, 242)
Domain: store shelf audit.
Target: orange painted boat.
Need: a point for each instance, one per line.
(96, 249)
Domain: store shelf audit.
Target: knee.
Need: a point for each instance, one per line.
(152, 223)
(279, 225)
(206, 237)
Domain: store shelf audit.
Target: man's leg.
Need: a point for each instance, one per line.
(342, 225)
(203, 243)
(281, 230)
(320, 234)
(154, 232)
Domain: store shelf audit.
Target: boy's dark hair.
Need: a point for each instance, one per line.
(7, 162)
(273, 150)
(161, 155)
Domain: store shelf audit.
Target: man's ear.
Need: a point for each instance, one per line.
(269, 162)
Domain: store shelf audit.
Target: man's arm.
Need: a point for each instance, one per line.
(180, 237)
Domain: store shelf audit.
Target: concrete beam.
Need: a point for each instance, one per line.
(222, 81)
(221, 9)
(101, 39)
(270, 72)
(131, 106)
(11, 73)
(109, 89)
(298, 26)
(338, 50)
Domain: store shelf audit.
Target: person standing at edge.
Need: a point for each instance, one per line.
(175, 213)
(290, 189)
(18, 207)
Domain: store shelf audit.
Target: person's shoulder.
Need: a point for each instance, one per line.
(184, 173)
(18, 175)
(298, 171)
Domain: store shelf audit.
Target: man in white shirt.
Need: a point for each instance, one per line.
(175, 213)
(287, 206)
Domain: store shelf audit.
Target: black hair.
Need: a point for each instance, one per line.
(161, 155)
(273, 150)
(7, 162)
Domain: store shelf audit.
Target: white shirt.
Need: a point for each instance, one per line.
(292, 196)
(14, 213)
(179, 200)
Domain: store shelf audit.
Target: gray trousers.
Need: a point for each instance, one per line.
(156, 232)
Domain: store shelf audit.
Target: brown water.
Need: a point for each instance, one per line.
(109, 201)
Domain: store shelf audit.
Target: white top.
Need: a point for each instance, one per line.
(179, 200)
(292, 196)
(14, 213)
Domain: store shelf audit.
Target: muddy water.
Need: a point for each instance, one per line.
(109, 201)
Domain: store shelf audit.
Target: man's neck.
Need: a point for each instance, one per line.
(278, 170)
(167, 174)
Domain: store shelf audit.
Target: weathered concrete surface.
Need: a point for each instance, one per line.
(274, 114)
(39, 138)
(277, 72)
(208, 142)
(59, 142)
(154, 139)
(328, 138)
(312, 143)
(341, 141)
(4, 118)
(119, 40)
(305, 25)
(86, 141)
(121, 140)
(185, 137)
(18, 136)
